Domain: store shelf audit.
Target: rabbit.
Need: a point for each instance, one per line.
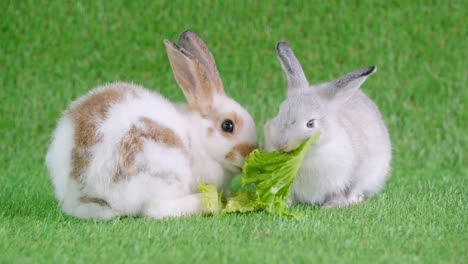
(123, 150)
(351, 159)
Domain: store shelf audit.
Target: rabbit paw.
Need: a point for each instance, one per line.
(355, 198)
(336, 200)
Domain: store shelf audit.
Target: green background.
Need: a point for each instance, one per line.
(51, 52)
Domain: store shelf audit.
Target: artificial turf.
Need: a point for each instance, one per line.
(51, 52)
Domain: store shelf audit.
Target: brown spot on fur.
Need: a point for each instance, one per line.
(101, 202)
(210, 131)
(240, 149)
(86, 113)
(80, 158)
(86, 116)
(133, 143)
(237, 122)
(160, 133)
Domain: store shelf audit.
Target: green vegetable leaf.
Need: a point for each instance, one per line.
(273, 173)
(241, 201)
(266, 182)
(211, 200)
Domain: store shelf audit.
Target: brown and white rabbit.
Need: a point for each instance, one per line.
(122, 150)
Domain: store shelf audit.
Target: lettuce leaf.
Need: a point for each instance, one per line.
(211, 200)
(266, 182)
(241, 201)
(273, 173)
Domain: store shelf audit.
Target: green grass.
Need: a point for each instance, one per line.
(52, 52)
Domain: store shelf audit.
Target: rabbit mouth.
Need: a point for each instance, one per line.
(238, 168)
(285, 149)
(234, 168)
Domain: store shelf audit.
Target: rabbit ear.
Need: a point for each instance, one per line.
(197, 47)
(291, 66)
(344, 86)
(191, 76)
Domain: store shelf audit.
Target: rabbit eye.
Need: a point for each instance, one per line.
(311, 123)
(227, 126)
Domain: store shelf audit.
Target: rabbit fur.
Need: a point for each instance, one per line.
(123, 150)
(351, 159)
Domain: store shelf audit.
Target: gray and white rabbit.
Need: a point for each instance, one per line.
(123, 150)
(351, 159)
